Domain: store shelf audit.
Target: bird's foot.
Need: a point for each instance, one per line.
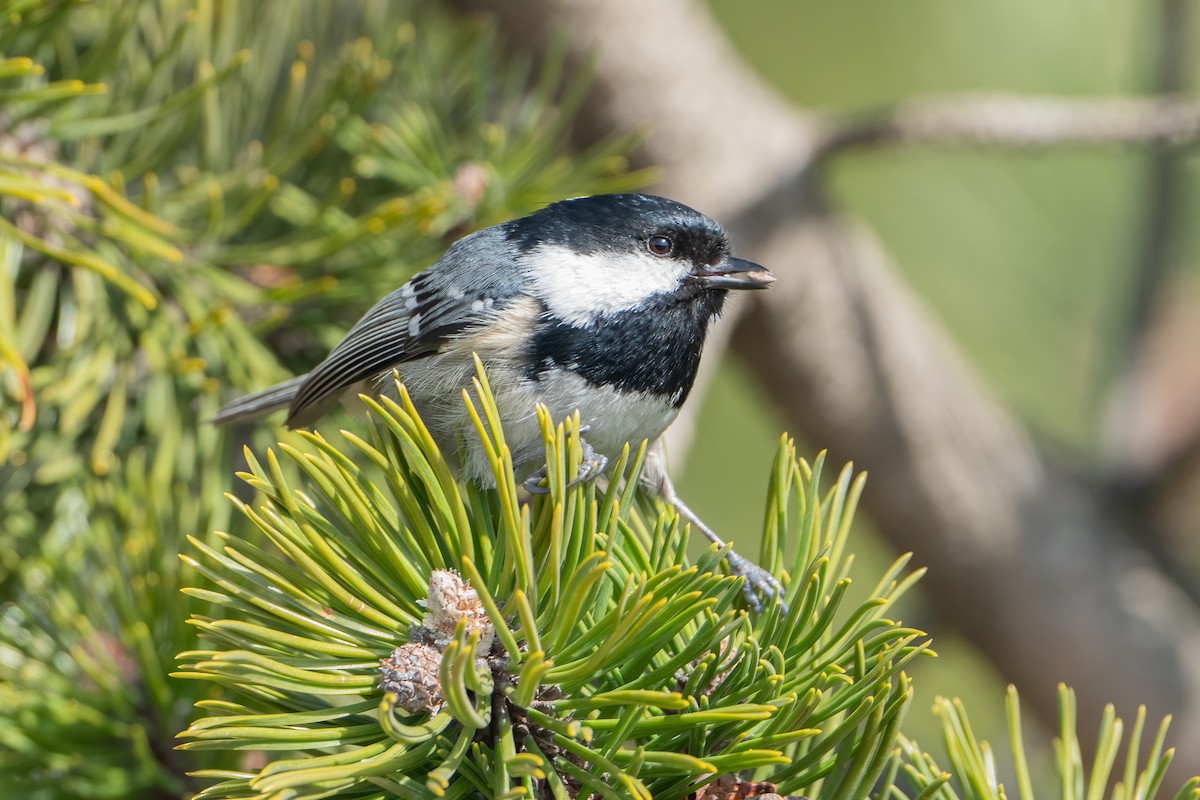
(758, 585)
(591, 467)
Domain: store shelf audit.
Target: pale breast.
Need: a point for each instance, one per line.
(436, 384)
(613, 417)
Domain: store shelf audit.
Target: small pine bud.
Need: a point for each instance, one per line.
(27, 144)
(733, 787)
(451, 599)
(411, 674)
(470, 183)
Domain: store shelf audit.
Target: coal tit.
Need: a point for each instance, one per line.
(598, 304)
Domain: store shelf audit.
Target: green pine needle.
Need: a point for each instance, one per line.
(973, 775)
(626, 666)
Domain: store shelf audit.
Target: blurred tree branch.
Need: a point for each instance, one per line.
(1151, 259)
(1022, 121)
(1027, 563)
(1164, 194)
(1152, 423)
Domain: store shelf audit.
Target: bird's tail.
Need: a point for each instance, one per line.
(253, 406)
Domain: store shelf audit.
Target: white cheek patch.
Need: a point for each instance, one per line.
(578, 287)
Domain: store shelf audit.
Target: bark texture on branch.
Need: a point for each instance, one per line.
(1024, 561)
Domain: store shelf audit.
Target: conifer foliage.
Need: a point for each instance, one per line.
(577, 652)
(196, 199)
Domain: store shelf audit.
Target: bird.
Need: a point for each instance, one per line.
(598, 304)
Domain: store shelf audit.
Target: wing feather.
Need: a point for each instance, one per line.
(415, 320)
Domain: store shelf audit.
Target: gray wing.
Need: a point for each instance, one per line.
(464, 290)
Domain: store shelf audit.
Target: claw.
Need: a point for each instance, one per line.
(591, 467)
(757, 583)
(533, 485)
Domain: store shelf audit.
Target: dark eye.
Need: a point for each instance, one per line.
(660, 245)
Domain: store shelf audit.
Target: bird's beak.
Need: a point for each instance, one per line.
(735, 273)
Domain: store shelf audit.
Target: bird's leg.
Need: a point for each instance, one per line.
(591, 467)
(757, 583)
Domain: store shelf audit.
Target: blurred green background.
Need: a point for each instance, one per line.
(1027, 259)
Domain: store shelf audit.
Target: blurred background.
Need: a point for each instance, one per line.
(1065, 277)
(988, 297)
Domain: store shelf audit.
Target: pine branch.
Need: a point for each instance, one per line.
(1101, 776)
(578, 652)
